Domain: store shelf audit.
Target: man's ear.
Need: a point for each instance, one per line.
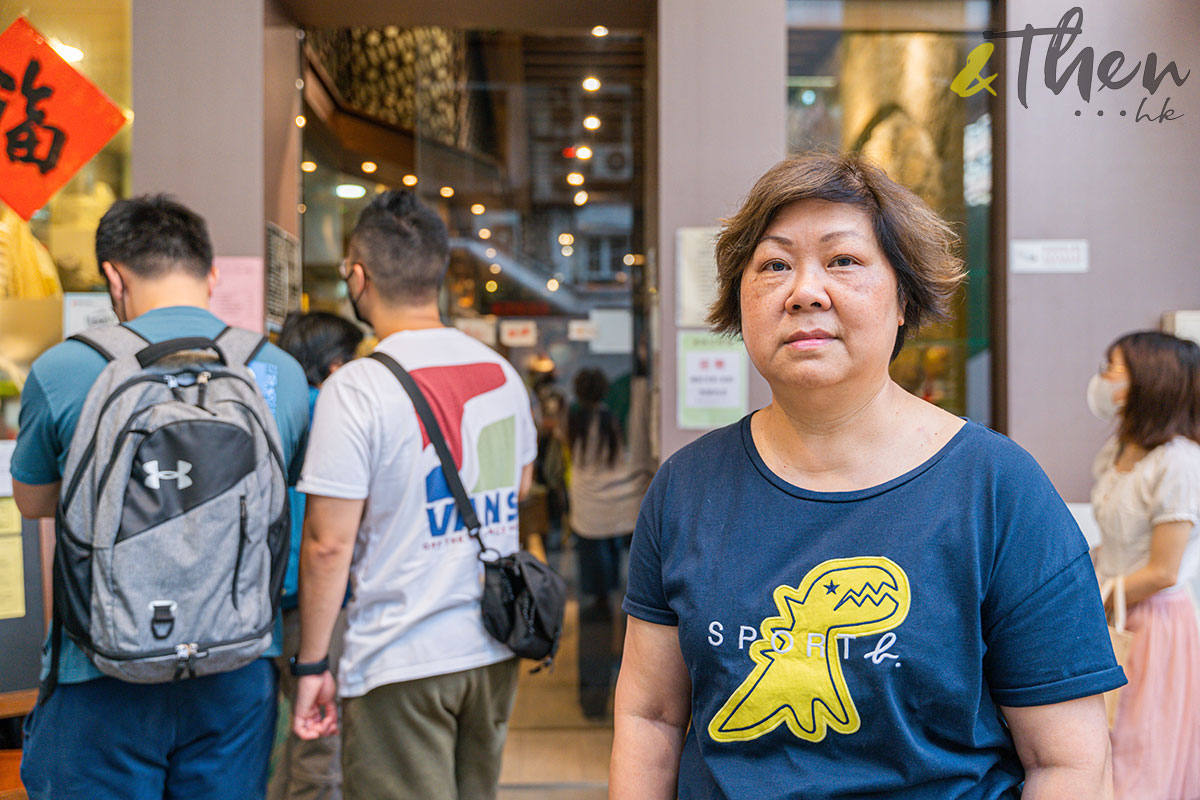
(214, 277)
(111, 275)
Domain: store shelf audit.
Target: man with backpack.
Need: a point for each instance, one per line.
(426, 690)
(163, 446)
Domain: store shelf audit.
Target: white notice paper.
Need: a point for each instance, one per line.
(6, 450)
(83, 310)
(481, 328)
(1048, 255)
(696, 275)
(614, 330)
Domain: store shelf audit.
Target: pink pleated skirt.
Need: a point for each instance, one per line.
(1156, 735)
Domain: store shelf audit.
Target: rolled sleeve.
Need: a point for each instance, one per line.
(1054, 646)
(645, 596)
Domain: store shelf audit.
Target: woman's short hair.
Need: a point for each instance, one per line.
(1164, 388)
(919, 244)
(317, 340)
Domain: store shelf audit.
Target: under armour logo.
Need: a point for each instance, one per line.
(155, 476)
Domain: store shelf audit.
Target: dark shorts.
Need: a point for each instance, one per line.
(106, 739)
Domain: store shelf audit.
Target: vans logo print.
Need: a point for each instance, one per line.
(155, 476)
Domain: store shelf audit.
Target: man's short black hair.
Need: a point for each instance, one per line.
(318, 339)
(404, 246)
(153, 235)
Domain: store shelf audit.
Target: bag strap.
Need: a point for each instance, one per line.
(239, 345)
(112, 341)
(1116, 585)
(434, 431)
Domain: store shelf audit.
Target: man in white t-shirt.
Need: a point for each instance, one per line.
(426, 691)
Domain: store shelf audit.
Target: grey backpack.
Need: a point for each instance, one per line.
(173, 522)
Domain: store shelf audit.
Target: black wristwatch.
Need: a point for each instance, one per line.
(300, 669)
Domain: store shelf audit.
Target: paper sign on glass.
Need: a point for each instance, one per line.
(52, 119)
(83, 310)
(713, 385)
(12, 577)
(238, 297)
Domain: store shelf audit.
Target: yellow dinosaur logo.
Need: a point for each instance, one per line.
(797, 679)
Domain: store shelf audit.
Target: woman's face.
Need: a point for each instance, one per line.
(1116, 371)
(819, 298)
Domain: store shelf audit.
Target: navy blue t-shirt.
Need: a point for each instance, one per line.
(860, 644)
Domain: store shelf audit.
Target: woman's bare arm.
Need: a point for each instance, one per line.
(1064, 748)
(652, 711)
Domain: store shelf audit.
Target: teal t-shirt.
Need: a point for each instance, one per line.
(53, 397)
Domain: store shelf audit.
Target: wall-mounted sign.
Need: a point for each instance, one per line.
(283, 275)
(712, 389)
(83, 310)
(52, 119)
(481, 328)
(581, 330)
(1048, 255)
(238, 297)
(518, 332)
(695, 275)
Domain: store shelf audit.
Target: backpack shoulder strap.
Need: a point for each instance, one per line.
(240, 346)
(111, 341)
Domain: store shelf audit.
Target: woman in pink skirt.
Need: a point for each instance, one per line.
(1147, 501)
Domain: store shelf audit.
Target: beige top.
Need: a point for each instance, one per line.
(1163, 487)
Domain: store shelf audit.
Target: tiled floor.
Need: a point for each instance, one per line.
(553, 752)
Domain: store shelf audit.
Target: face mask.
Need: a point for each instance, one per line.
(358, 315)
(1100, 397)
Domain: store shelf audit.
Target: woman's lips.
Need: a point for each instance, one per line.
(810, 343)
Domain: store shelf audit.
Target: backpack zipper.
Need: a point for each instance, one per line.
(237, 566)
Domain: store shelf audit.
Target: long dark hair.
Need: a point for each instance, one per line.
(1164, 388)
(588, 412)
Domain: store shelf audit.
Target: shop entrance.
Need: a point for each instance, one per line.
(530, 144)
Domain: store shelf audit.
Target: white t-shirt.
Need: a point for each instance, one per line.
(1164, 486)
(416, 578)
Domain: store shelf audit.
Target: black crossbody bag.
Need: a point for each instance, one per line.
(523, 598)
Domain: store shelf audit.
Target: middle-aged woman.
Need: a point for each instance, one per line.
(851, 593)
(1147, 502)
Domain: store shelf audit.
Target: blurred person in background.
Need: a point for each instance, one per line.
(1147, 502)
(309, 769)
(605, 491)
(852, 593)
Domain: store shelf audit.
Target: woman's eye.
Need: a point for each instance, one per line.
(775, 266)
(843, 261)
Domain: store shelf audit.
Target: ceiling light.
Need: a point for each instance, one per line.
(583, 151)
(627, 260)
(490, 252)
(591, 122)
(591, 83)
(581, 197)
(485, 233)
(68, 53)
(301, 208)
(575, 178)
(477, 209)
(599, 30)
(446, 191)
(301, 121)
(350, 191)
(369, 167)
(568, 250)
(308, 166)
(552, 284)
(491, 286)
(494, 269)
(566, 238)
(409, 180)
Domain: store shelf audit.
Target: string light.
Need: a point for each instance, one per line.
(491, 286)
(581, 197)
(308, 166)
(485, 233)
(591, 83)
(599, 31)
(566, 238)
(409, 180)
(478, 208)
(446, 191)
(369, 167)
(583, 151)
(591, 122)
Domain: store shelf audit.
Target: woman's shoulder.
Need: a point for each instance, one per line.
(713, 447)
(1180, 453)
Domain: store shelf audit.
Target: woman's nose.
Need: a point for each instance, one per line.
(808, 290)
